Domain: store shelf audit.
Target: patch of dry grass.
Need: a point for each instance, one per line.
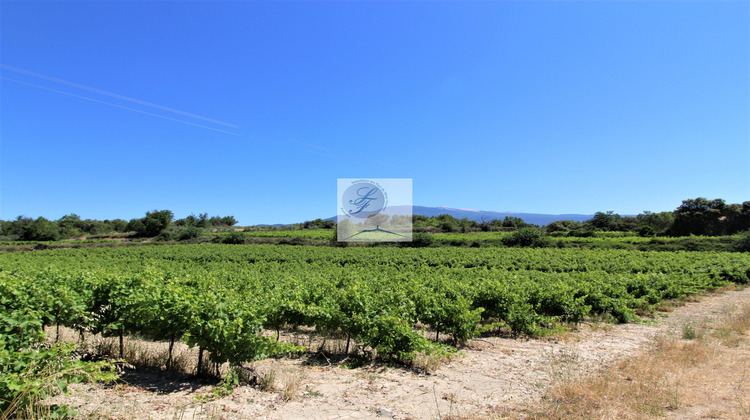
(671, 376)
(287, 381)
(733, 332)
(601, 326)
(291, 381)
(560, 365)
(429, 362)
(267, 381)
(645, 385)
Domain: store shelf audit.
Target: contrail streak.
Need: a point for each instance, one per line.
(114, 95)
(119, 106)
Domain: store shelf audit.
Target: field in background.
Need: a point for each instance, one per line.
(327, 237)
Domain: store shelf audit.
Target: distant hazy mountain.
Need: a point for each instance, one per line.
(478, 215)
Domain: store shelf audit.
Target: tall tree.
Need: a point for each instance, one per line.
(699, 217)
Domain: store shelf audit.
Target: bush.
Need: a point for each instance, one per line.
(135, 225)
(742, 244)
(191, 232)
(448, 227)
(526, 237)
(646, 231)
(420, 240)
(164, 236)
(234, 238)
(152, 225)
(156, 221)
(581, 233)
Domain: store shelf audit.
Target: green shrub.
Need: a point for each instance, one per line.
(30, 371)
(164, 236)
(152, 225)
(448, 227)
(234, 238)
(646, 231)
(420, 240)
(742, 243)
(190, 232)
(526, 237)
(581, 233)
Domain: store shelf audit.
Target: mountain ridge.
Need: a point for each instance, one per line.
(540, 219)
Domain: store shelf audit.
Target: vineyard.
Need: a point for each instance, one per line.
(232, 302)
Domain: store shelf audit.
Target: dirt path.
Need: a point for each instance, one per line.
(494, 376)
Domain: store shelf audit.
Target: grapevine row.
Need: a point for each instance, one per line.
(222, 298)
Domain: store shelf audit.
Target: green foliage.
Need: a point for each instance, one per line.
(514, 222)
(137, 226)
(690, 243)
(562, 226)
(230, 331)
(234, 238)
(205, 222)
(319, 224)
(659, 222)
(226, 221)
(164, 236)
(225, 299)
(68, 226)
(697, 217)
(526, 237)
(447, 308)
(449, 226)
(420, 240)
(227, 384)
(710, 217)
(646, 231)
(156, 221)
(117, 225)
(448, 223)
(604, 221)
(742, 243)
(581, 232)
(153, 224)
(30, 370)
(190, 232)
(40, 229)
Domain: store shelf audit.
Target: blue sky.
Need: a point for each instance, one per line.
(527, 106)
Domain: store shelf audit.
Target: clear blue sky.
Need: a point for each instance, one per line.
(528, 106)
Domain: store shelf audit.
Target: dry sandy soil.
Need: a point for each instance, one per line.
(493, 377)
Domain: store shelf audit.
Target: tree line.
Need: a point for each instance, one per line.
(697, 216)
(155, 223)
